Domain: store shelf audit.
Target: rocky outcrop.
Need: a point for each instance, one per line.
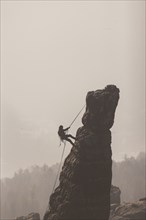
(115, 198)
(130, 211)
(115, 195)
(85, 179)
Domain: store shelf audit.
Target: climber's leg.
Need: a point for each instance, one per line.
(69, 135)
(70, 141)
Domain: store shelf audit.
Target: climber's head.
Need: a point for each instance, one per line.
(60, 127)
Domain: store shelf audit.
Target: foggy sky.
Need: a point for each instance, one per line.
(53, 53)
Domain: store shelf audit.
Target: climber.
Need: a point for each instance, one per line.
(64, 136)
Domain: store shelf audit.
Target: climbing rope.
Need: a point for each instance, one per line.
(64, 151)
(77, 116)
(59, 167)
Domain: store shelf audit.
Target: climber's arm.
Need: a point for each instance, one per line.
(66, 129)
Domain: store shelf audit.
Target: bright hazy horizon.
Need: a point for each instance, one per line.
(52, 54)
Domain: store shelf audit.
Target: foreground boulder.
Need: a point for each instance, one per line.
(31, 216)
(85, 179)
(130, 211)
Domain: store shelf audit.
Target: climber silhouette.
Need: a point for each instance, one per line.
(64, 136)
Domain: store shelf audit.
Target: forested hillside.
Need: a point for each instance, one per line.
(29, 190)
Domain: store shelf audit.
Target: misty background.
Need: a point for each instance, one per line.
(53, 53)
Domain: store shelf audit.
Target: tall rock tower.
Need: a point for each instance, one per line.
(85, 179)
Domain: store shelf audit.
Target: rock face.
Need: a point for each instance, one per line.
(130, 211)
(85, 179)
